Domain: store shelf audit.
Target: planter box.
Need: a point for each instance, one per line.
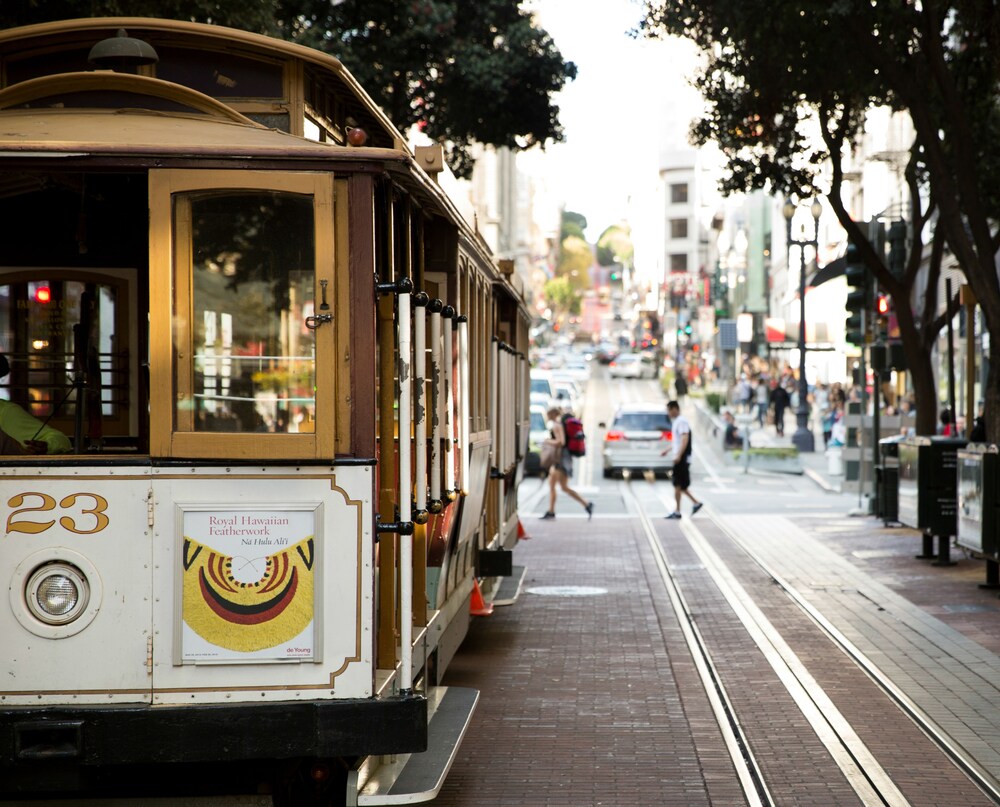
(766, 460)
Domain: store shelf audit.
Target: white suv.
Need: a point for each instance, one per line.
(638, 439)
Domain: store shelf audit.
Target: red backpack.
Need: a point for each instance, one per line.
(576, 440)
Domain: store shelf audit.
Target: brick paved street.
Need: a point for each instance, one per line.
(590, 695)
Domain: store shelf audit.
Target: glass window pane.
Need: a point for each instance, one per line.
(254, 366)
(220, 74)
(50, 328)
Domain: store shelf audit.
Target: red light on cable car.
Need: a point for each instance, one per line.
(43, 294)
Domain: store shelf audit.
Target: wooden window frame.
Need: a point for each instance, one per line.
(170, 317)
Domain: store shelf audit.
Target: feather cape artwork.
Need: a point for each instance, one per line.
(248, 602)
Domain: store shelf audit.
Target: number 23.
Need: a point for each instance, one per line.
(48, 504)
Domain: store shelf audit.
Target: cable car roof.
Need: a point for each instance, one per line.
(255, 74)
(133, 132)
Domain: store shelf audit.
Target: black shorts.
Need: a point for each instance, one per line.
(682, 475)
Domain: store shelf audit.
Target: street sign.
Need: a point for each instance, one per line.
(728, 339)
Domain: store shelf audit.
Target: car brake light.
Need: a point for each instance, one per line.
(667, 435)
(614, 435)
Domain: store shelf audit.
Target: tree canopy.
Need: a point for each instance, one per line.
(463, 76)
(575, 260)
(614, 245)
(572, 224)
(775, 75)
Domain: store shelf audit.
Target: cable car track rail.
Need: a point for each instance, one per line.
(982, 778)
(751, 779)
(872, 784)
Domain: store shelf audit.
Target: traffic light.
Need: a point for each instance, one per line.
(897, 248)
(858, 297)
(882, 308)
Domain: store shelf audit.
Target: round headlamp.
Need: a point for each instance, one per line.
(56, 593)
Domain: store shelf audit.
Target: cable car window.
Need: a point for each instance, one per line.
(220, 74)
(253, 364)
(47, 64)
(65, 335)
(243, 297)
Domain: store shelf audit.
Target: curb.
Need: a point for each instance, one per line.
(820, 480)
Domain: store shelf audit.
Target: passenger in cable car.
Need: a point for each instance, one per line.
(22, 433)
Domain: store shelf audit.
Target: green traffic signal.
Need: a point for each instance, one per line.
(859, 299)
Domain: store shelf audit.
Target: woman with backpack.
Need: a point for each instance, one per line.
(562, 469)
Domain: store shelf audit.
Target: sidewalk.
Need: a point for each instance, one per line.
(815, 464)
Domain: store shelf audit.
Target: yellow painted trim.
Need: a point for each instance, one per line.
(341, 302)
(46, 86)
(183, 314)
(295, 93)
(161, 358)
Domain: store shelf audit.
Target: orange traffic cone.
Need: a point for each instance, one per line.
(477, 606)
(521, 534)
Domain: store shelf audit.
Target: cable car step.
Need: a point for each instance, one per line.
(414, 778)
(510, 587)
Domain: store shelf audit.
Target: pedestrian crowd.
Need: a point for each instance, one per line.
(767, 394)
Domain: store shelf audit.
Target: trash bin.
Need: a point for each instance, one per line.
(928, 490)
(979, 499)
(979, 505)
(887, 478)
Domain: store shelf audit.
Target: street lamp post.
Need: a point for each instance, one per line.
(803, 438)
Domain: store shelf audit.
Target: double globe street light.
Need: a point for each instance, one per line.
(803, 438)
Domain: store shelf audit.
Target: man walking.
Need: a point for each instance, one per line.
(682, 458)
(780, 400)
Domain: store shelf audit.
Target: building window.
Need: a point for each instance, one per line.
(678, 228)
(679, 262)
(679, 193)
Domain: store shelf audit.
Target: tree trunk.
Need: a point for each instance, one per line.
(922, 378)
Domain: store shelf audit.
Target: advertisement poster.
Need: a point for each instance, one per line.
(248, 585)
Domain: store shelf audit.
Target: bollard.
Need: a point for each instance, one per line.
(835, 461)
(744, 421)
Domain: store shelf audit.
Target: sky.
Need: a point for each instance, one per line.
(630, 100)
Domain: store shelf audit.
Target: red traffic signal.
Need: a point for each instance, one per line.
(882, 305)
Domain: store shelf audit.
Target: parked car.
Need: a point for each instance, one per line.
(633, 365)
(537, 433)
(638, 439)
(542, 391)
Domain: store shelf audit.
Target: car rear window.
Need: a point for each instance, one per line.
(642, 422)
